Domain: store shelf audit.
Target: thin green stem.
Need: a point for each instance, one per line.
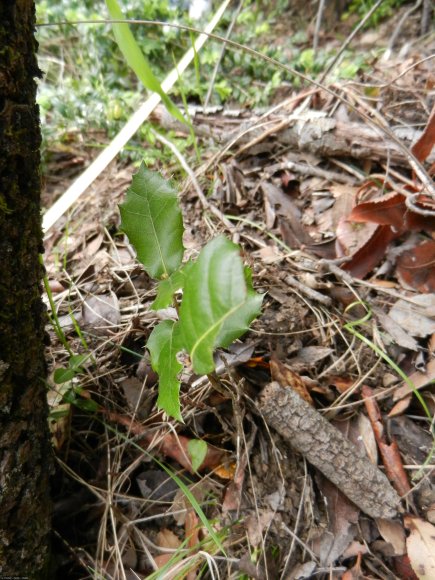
(53, 316)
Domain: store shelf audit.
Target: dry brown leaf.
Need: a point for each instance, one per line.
(342, 384)
(287, 378)
(281, 204)
(416, 267)
(387, 210)
(394, 534)
(345, 196)
(367, 437)
(391, 210)
(352, 236)
(421, 547)
(343, 515)
(418, 379)
(256, 523)
(166, 539)
(422, 148)
(370, 250)
(400, 407)
(389, 451)
(412, 317)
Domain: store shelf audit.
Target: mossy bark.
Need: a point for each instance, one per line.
(25, 455)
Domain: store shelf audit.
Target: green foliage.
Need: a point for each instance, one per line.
(197, 450)
(168, 287)
(136, 60)
(69, 389)
(218, 303)
(88, 85)
(361, 7)
(153, 223)
(164, 346)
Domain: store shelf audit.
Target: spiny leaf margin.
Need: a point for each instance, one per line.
(218, 303)
(152, 220)
(163, 346)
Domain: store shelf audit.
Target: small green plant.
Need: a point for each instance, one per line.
(69, 388)
(218, 301)
(361, 7)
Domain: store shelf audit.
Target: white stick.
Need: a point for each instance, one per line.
(80, 185)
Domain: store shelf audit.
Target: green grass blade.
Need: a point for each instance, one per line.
(137, 61)
(184, 488)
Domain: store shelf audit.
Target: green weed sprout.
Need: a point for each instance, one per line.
(218, 302)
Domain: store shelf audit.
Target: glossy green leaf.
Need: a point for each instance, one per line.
(238, 323)
(218, 303)
(197, 450)
(152, 220)
(163, 345)
(168, 287)
(137, 61)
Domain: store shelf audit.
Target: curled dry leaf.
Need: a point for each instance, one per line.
(287, 378)
(389, 451)
(412, 317)
(370, 253)
(416, 267)
(422, 148)
(394, 534)
(387, 210)
(168, 540)
(391, 210)
(421, 547)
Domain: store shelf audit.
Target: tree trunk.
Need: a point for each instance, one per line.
(25, 454)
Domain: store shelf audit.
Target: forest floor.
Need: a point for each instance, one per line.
(336, 220)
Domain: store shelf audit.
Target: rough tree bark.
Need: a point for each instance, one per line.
(24, 442)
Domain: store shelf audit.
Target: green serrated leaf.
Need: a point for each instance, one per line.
(137, 61)
(152, 220)
(164, 345)
(167, 288)
(217, 305)
(238, 323)
(197, 450)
